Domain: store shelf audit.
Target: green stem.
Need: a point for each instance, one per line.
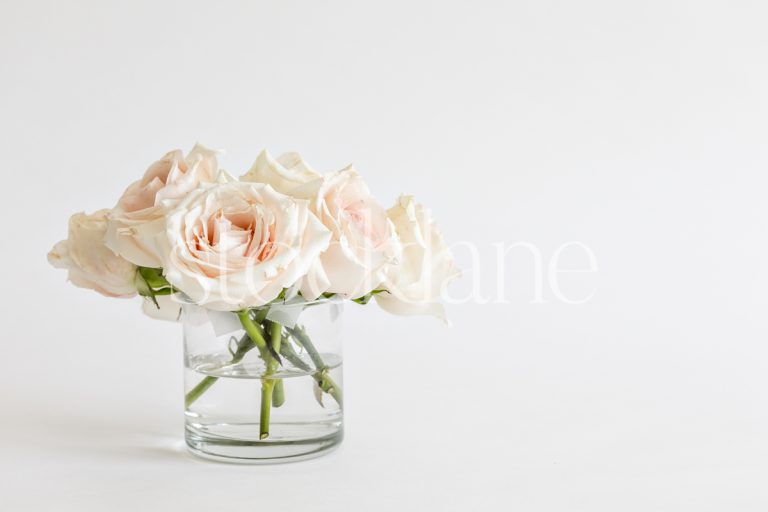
(257, 335)
(286, 350)
(327, 384)
(253, 330)
(261, 315)
(198, 390)
(276, 337)
(266, 407)
(268, 384)
(244, 346)
(324, 380)
(254, 338)
(272, 390)
(300, 335)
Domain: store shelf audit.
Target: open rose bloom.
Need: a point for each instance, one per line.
(188, 234)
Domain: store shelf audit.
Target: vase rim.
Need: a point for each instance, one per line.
(184, 300)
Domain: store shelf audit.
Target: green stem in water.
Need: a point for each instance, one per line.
(324, 380)
(198, 390)
(300, 335)
(327, 384)
(254, 338)
(272, 390)
(268, 384)
(266, 407)
(276, 340)
(244, 346)
(286, 350)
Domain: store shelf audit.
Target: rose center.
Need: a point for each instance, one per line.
(246, 235)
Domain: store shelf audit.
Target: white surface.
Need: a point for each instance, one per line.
(637, 128)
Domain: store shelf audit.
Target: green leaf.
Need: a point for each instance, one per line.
(154, 278)
(365, 299)
(142, 287)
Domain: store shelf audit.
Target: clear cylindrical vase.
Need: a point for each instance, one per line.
(263, 385)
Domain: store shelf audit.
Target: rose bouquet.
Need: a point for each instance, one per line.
(244, 264)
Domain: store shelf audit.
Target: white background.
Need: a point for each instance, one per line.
(636, 128)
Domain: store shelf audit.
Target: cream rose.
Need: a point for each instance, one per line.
(91, 264)
(139, 217)
(236, 245)
(414, 285)
(363, 242)
(284, 174)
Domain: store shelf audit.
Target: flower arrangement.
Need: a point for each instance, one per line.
(188, 232)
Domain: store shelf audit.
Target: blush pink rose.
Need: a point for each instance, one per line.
(139, 217)
(90, 263)
(363, 239)
(235, 245)
(283, 174)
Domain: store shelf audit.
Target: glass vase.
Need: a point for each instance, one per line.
(263, 385)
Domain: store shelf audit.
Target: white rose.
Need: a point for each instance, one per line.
(90, 263)
(414, 285)
(139, 217)
(283, 174)
(236, 245)
(363, 243)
